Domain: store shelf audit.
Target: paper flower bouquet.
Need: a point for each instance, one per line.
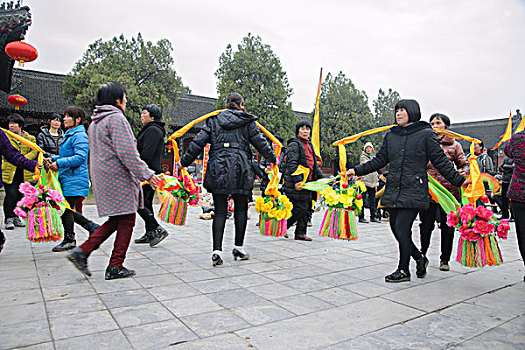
(41, 208)
(274, 212)
(343, 205)
(478, 229)
(175, 194)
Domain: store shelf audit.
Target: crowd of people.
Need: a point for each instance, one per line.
(124, 173)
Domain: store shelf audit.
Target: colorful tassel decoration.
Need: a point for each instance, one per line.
(339, 223)
(272, 227)
(172, 210)
(43, 224)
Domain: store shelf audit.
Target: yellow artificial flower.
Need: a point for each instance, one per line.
(288, 206)
(259, 202)
(359, 203)
(361, 185)
(267, 207)
(283, 199)
(272, 213)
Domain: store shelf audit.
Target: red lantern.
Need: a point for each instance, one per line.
(21, 52)
(17, 101)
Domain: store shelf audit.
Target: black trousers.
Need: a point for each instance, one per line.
(504, 200)
(518, 210)
(300, 215)
(370, 201)
(220, 202)
(12, 194)
(428, 217)
(401, 221)
(146, 213)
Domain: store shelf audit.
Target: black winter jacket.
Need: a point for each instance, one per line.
(295, 156)
(408, 150)
(48, 143)
(506, 169)
(230, 168)
(150, 142)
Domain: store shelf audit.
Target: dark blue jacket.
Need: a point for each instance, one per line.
(13, 156)
(72, 162)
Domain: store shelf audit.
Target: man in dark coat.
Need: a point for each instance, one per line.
(150, 142)
(300, 151)
(506, 169)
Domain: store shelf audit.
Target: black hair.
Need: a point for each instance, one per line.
(154, 111)
(76, 112)
(300, 124)
(412, 108)
(16, 118)
(443, 117)
(54, 116)
(108, 93)
(481, 145)
(234, 100)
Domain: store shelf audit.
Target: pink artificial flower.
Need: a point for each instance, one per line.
(29, 201)
(502, 229)
(483, 228)
(452, 219)
(468, 234)
(56, 196)
(27, 189)
(467, 213)
(19, 212)
(484, 213)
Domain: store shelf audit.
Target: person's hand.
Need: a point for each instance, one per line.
(179, 165)
(466, 183)
(298, 186)
(350, 174)
(153, 181)
(53, 166)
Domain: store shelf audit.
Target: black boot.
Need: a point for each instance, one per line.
(67, 243)
(398, 276)
(91, 227)
(146, 238)
(159, 234)
(421, 267)
(79, 259)
(237, 254)
(2, 240)
(113, 272)
(216, 259)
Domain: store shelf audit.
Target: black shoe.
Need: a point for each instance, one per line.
(237, 254)
(67, 243)
(309, 223)
(113, 272)
(2, 240)
(363, 221)
(302, 238)
(216, 260)
(159, 234)
(398, 276)
(79, 259)
(375, 220)
(91, 227)
(286, 235)
(146, 238)
(421, 267)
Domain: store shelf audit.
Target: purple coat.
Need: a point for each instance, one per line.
(115, 164)
(13, 156)
(515, 149)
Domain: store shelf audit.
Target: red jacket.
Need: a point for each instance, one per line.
(455, 154)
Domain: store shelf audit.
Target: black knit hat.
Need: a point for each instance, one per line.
(300, 124)
(412, 108)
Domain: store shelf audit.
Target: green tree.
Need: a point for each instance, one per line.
(255, 72)
(344, 111)
(145, 69)
(384, 107)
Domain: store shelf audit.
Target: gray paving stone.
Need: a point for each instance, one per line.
(22, 296)
(157, 280)
(160, 335)
(261, 313)
(71, 306)
(76, 290)
(367, 289)
(136, 315)
(173, 291)
(306, 285)
(99, 341)
(214, 323)
(273, 290)
(19, 284)
(116, 285)
(81, 324)
(302, 304)
(219, 342)
(41, 346)
(192, 305)
(236, 298)
(127, 298)
(24, 334)
(196, 275)
(337, 296)
(250, 280)
(17, 314)
(215, 285)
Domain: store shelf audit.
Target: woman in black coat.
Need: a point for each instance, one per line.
(50, 136)
(408, 147)
(230, 170)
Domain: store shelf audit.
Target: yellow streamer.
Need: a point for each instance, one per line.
(301, 170)
(273, 138)
(456, 135)
(33, 146)
(357, 136)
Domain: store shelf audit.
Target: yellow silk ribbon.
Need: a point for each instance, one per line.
(273, 138)
(357, 136)
(301, 170)
(33, 146)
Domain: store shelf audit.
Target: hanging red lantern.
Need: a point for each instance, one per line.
(17, 101)
(21, 52)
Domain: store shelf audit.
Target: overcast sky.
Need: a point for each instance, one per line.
(464, 58)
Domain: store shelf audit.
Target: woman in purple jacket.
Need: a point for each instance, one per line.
(13, 156)
(515, 150)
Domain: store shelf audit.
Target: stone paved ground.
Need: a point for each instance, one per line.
(323, 294)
